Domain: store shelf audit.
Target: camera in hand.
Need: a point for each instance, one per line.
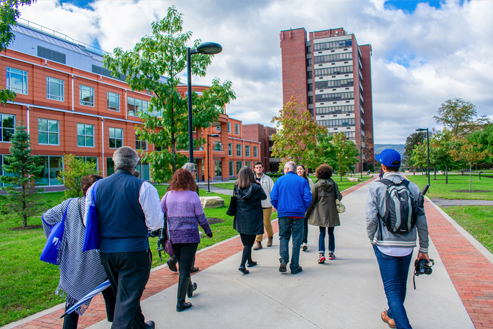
(422, 266)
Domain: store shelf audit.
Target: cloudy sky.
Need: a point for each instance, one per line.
(424, 52)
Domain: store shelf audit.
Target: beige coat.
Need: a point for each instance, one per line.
(323, 211)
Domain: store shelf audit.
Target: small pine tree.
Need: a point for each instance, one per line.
(23, 171)
(71, 176)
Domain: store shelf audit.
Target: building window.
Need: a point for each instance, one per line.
(139, 144)
(310, 87)
(218, 128)
(7, 127)
(47, 131)
(136, 105)
(229, 127)
(51, 54)
(310, 99)
(247, 150)
(255, 153)
(17, 80)
(218, 170)
(116, 138)
(113, 101)
(309, 49)
(110, 166)
(248, 163)
(85, 135)
(239, 164)
(237, 129)
(52, 165)
(309, 74)
(231, 169)
(230, 149)
(90, 160)
(54, 89)
(308, 62)
(86, 95)
(238, 150)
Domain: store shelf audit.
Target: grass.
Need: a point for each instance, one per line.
(441, 190)
(27, 285)
(477, 220)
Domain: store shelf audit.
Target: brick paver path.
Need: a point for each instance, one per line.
(470, 271)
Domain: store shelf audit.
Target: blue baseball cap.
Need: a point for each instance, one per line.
(389, 158)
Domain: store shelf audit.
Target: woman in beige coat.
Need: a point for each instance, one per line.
(323, 212)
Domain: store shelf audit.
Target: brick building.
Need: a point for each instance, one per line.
(71, 105)
(257, 132)
(331, 74)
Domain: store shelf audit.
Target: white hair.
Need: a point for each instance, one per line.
(189, 166)
(291, 165)
(126, 157)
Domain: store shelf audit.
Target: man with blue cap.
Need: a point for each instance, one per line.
(394, 248)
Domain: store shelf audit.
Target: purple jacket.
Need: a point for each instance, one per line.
(184, 213)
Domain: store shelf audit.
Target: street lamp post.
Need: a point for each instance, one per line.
(361, 159)
(428, 148)
(208, 168)
(208, 48)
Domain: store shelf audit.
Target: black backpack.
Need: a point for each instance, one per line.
(401, 209)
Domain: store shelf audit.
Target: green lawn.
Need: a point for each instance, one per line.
(439, 189)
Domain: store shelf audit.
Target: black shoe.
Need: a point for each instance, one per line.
(172, 264)
(151, 324)
(191, 288)
(251, 264)
(183, 284)
(194, 269)
(282, 267)
(243, 270)
(298, 270)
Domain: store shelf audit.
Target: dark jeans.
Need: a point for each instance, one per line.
(128, 273)
(321, 239)
(394, 271)
(248, 241)
(185, 254)
(305, 231)
(287, 227)
(71, 320)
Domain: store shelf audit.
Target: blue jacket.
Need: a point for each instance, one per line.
(291, 195)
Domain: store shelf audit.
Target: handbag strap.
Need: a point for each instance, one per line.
(166, 215)
(66, 210)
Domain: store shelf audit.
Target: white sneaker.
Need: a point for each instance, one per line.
(304, 247)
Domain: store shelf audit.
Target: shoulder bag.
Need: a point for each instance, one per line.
(52, 247)
(164, 241)
(92, 239)
(233, 204)
(339, 206)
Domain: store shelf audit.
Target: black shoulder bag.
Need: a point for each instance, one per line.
(232, 205)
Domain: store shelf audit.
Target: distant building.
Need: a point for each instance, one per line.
(72, 105)
(331, 74)
(259, 133)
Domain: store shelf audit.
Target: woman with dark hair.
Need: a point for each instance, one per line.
(184, 213)
(80, 272)
(249, 214)
(323, 212)
(301, 171)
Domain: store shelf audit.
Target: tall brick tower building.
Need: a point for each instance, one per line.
(331, 74)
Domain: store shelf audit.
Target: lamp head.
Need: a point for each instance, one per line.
(209, 48)
(422, 129)
(214, 135)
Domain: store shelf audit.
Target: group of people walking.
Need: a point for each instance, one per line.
(128, 208)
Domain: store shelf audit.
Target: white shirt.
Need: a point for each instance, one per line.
(149, 201)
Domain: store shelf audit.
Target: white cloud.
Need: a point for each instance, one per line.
(420, 59)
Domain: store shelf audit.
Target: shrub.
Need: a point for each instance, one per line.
(71, 176)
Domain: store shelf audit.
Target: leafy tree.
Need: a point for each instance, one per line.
(155, 64)
(23, 171)
(412, 141)
(9, 13)
(329, 156)
(346, 153)
(460, 116)
(295, 138)
(419, 156)
(483, 137)
(469, 152)
(71, 176)
(442, 144)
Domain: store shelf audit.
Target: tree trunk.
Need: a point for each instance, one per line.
(470, 177)
(446, 174)
(435, 173)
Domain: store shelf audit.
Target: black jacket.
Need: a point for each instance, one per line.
(249, 214)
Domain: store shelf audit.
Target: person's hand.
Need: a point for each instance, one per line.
(423, 256)
(209, 235)
(274, 209)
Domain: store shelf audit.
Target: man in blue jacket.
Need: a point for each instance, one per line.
(291, 197)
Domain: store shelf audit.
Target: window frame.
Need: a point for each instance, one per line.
(247, 150)
(255, 151)
(85, 136)
(81, 101)
(2, 128)
(108, 101)
(25, 80)
(238, 150)
(139, 143)
(115, 138)
(237, 129)
(61, 85)
(48, 132)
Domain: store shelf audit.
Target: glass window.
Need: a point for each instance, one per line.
(255, 151)
(7, 127)
(218, 128)
(85, 135)
(238, 150)
(248, 163)
(43, 161)
(52, 165)
(116, 138)
(140, 145)
(239, 164)
(237, 129)
(135, 105)
(218, 170)
(54, 89)
(17, 80)
(47, 131)
(230, 149)
(247, 150)
(231, 169)
(86, 95)
(110, 166)
(113, 101)
(229, 127)
(90, 160)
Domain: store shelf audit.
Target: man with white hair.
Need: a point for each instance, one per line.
(291, 197)
(127, 207)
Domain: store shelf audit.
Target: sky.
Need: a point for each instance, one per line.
(423, 52)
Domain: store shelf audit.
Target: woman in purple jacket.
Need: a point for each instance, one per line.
(184, 213)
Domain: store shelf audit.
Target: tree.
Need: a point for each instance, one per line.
(412, 141)
(9, 13)
(346, 153)
(155, 64)
(419, 156)
(329, 156)
(442, 144)
(460, 116)
(469, 152)
(71, 176)
(23, 171)
(295, 137)
(483, 137)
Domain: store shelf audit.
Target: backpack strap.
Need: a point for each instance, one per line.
(386, 181)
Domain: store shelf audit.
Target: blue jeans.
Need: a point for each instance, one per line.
(393, 271)
(321, 239)
(287, 227)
